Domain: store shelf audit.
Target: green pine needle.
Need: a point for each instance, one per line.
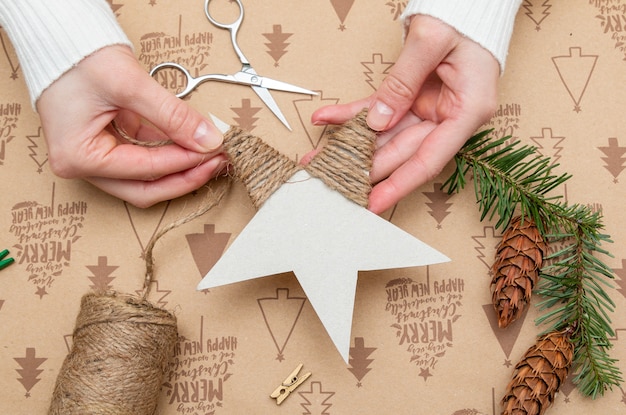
(510, 179)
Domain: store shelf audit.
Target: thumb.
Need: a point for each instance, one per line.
(428, 41)
(175, 118)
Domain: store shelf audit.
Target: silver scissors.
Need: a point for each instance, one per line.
(246, 76)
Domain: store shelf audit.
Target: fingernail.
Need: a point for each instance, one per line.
(208, 136)
(379, 116)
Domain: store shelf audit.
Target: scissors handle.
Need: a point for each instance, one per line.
(233, 28)
(191, 81)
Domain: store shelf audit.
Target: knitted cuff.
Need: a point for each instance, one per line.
(487, 22)
(51, 36)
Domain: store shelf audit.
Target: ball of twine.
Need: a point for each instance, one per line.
(119, 356)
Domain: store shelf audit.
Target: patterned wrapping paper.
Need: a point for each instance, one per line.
(424, 340)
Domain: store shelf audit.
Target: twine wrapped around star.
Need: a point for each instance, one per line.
(313, 220)
(343, 164)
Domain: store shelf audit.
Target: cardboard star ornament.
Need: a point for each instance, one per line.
(309, 223)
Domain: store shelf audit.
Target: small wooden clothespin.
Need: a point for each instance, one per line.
(289, 385)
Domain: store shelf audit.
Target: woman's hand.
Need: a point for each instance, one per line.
(442, 88)
(76, 113)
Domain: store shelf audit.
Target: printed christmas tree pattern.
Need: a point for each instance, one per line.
(145, 225)
(305, 107)
(506, 337)
(115, 7)
(575, 70)
(207, 247)
(281, 313)
(38, 151)
(246, 115)
(376, 70)
(613, 158)
(101, 277)
(277, 43)
(548, 144)
(621, 282)
(9, 54)
(359, 359)
(537, 11)
(438, 205)
(485, 246)
(316, 401)
(29, 370)
(157, 295)
(342, 8)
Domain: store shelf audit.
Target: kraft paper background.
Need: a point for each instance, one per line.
(424, 340)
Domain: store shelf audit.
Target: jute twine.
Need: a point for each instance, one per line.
(212, 199)
(260, 167)
(345, 161)
(119, 355)
(343, 164)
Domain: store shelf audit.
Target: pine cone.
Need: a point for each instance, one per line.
(516, 269)
(539, 374)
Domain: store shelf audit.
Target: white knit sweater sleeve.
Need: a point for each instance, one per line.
(487, 22)
(51, 36)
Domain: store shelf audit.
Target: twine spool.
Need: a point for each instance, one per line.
(120, 352)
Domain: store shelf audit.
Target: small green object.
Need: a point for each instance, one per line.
(5, 262)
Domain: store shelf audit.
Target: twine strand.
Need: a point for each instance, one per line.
(212, 199)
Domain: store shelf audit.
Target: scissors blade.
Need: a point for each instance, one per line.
(267, 98)
(270, 83)
(249, 77)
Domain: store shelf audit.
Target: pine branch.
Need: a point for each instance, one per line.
(512, 178)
